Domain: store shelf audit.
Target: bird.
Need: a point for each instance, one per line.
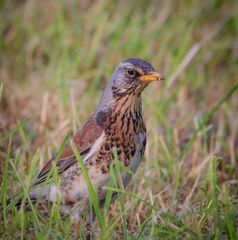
(116, 125)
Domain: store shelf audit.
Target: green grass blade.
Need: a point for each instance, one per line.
(119, 183)
(4, 181)
(92, 193)
(25, 191)
(207, 118)
(214, 195)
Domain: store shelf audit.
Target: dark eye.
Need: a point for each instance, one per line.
(131, 72)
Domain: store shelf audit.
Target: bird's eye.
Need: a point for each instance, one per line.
(131, 72)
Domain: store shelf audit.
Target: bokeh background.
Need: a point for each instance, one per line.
(57, 56)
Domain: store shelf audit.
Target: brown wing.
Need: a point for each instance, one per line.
(84, 140)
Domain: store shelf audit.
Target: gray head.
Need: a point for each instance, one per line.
(130, 77)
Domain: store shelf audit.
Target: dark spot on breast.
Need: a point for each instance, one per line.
(101, 152)
(133, 151)
(144, 142)
(135, 128)
(104, 169)
(119, 151)
(107, 146)
(118, 145)
(116, 139)
(98, 159)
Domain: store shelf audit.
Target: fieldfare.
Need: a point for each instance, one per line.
(117, 123)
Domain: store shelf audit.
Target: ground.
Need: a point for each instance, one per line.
(55, 59)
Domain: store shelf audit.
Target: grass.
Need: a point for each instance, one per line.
(56, 57)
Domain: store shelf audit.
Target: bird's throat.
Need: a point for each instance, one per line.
(127, 104)
(125, 111)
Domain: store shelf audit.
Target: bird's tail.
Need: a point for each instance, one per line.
(40, 195)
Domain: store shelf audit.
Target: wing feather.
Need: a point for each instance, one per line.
(84, 140)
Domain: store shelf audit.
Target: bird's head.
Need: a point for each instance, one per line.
(130, 77)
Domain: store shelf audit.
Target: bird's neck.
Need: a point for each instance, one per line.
(126, 108)
(127, 104)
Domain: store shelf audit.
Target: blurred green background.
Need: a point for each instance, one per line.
(57, 56)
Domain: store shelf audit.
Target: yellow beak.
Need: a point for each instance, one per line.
(152, 76)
